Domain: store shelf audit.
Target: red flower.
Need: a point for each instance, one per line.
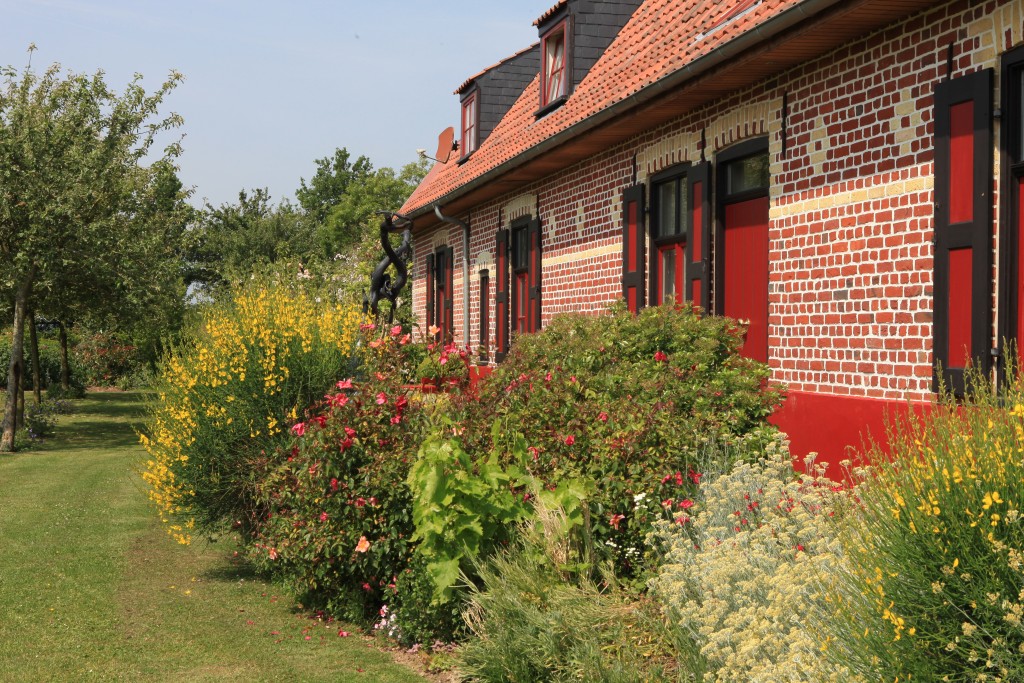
(344, 384)
(396, 419)
(396, 330)
(616, 520)
(686, 504)
(323, 516)
(547, 377)
(345, 445)
(660, 357)
(382, 398)
(602, 416)
(320, 420)
(343, 634)
(694, 477)
(272, 553)
(534, 452)
(349, 432)
(679, 478)
(404, 340)
(570, 440)
(298, 429)
(334, 484)
(360, 502)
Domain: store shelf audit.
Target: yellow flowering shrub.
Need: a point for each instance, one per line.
(748, 565)
(935, 587)
(226, 399)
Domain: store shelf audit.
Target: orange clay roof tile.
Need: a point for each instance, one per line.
(662, 37)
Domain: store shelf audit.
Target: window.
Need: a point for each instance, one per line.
(439, 292)
(485, 314)
(669, 213)
(517, 294)
(470, 120)
(553, 82)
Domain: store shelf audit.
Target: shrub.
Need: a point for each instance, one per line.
(41, 418)
(338, 521)
(104, 358)
(934, 589)
(630, 401)
(263, 354)
(534, 620)
(747, 564)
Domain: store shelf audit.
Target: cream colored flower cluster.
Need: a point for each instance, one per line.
(746, 571)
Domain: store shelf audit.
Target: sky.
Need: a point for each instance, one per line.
(270, 87)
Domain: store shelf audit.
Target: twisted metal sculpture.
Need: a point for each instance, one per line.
(382, 287)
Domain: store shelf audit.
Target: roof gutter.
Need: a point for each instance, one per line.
(769, 29)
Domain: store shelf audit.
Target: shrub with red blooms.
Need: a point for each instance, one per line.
(337, 509)
(641, 404)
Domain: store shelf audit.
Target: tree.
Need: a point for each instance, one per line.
(329, 184)
(234, 239)
(70, 156)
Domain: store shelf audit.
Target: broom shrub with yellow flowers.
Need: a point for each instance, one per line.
(225, 398)
(935, 585)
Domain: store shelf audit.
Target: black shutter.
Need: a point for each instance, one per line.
(963, 226)
(501, 296)
(634, 244)
(448, 327)
(698, 238)
(430, 290)
(533, 235)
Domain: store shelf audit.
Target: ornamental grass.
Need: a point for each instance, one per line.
(225, 398)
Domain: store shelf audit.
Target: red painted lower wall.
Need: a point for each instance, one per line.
(835, 427)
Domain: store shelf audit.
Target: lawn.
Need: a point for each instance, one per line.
(92, 588)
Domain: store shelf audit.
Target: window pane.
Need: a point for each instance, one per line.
(554, 66)
(1020, 115)
(667, 209)
(668, 275)
(519, 249)
(751, 173)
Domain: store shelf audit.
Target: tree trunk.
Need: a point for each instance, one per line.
(16, 368)
(65, 368)
(37, 374)
(22, 374)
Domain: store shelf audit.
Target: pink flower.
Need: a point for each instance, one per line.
(382, 398)
(323, 516)
(404, 340)
(570, 440)
(362, 546)
(660, 356)
(395, 419)
(616, 520)
(343, 634)
(686, 504)
(337, 400)
(396, 330)
(344, 384)
(367, 327)
(547, 377)
(376, 343)
(272, 553)
(367, 587)
(602, 416)
(298, 429)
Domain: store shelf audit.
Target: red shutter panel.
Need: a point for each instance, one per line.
(430, 290)
(963, 226)
(698, 232)
(501, 296)
(533, 235)
(634, 244)
(448, 327)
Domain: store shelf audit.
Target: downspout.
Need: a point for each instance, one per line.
(465, 269)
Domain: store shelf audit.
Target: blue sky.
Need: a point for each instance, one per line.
(272, 86)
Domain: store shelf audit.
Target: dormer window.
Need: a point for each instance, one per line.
(554, 73)
(470, 124)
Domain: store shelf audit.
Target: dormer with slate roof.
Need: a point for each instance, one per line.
(573, 36)
(486, 97)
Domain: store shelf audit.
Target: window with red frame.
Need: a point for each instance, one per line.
(469, 124)
(439, 292)
(520, 279)
(553, 74)
(668, 237)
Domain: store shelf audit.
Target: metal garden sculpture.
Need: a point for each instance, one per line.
(382, 286)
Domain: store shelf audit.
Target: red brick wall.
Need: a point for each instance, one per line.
(851, 204)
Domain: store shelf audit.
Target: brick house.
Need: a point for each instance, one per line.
(843, 174)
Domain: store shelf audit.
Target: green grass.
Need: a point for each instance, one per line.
(92, 588)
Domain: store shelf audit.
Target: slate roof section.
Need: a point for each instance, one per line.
(499, 87)
(661, 38)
